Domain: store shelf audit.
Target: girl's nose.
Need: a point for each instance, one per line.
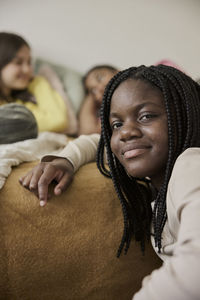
(130, 130)
(27, 68)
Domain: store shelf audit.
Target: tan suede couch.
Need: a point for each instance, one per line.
(67, 250)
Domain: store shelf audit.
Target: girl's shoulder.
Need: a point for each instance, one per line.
(183, 188)
(37, 80)
(190, 155)
(39, 85)
(185, 173)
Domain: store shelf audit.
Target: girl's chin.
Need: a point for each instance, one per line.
(21, 86)
(136, 172)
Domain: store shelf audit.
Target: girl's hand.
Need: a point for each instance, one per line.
(39, 178)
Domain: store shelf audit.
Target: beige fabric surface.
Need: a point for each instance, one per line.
(67, 249)
(178, 278)
(29, 150)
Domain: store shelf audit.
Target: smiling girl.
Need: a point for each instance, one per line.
(94, 81)
(19, 85)
(151, 131)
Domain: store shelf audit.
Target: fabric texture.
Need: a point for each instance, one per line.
(67, 249)
(17, 123)
(30, 150)
(178, 278)
(71, 79)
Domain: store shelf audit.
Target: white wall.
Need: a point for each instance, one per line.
(83, 33)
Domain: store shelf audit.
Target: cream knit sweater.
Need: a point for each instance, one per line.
(178, 278)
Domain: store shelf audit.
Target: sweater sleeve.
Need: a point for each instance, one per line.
(178, 278)
(79, 151)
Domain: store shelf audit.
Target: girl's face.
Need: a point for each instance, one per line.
(139, 130)
(96, 82)
(18, 72)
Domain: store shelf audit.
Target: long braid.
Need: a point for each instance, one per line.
(160, 207)
(131, 210)
(100, 161)
(106, 134)
(182, 103)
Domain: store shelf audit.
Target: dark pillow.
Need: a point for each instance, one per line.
(17, 123)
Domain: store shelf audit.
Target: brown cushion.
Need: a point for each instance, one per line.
(67, 250)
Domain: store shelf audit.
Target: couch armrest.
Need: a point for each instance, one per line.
(67, 249)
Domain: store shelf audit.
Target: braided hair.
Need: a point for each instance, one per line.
(182, 103)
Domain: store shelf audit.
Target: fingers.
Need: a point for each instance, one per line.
(63, 183)
(25, 180)
(30, 180)
(38, 183)
(36, 175)
(40, 177)
(49, 174)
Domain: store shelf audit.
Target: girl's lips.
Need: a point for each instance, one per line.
(134, 152)
(24, 76)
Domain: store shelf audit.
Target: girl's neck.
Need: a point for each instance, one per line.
(6, 91)
(5, 94)
(156, 184)
(154, 192)
(157, 180)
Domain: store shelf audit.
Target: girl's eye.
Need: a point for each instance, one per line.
(147, 117)
(18, 62)
(116, 125)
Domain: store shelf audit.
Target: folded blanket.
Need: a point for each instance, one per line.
(28, 150)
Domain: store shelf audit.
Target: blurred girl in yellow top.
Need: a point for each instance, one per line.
(17, 84)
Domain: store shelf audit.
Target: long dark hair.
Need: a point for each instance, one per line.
(10, 44)
(182, 102)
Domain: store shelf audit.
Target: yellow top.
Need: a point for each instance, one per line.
(50, 110)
